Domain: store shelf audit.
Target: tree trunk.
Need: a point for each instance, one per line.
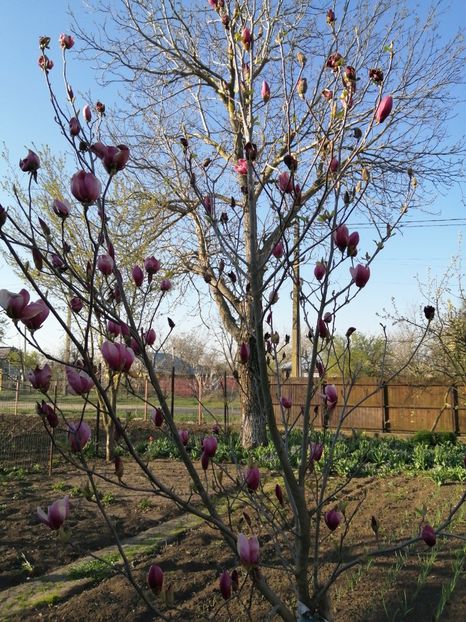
(253, 416)
(109, 439)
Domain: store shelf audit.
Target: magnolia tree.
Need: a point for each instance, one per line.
(264, 157)
(270, 126)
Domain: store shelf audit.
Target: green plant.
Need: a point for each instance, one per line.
(449, 587)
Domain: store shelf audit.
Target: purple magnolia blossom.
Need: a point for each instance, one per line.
(40, 378)
(79, 381)
(248, 550)
(57, 513)
(209, 445)
(138, 276)
(252, 478)
(117, 356)
(225, 584)
(85, 187)
(78, 435)
(14, 304)
(30, 163)
(155, 578)
(384, 109)
(114, 159)
(332, 519)
(360, 275)
(428, 535)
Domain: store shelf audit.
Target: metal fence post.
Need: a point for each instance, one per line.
(386, 409)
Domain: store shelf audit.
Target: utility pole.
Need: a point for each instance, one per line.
(296, 320)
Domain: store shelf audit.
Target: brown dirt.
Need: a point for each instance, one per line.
(194, 563)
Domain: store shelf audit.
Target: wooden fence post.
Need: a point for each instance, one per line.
(225, 403)
(386, 409)
(16, 396)
(454, 409)
(97, 431)
(199, 403)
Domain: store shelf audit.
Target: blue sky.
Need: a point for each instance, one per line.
(25, 118)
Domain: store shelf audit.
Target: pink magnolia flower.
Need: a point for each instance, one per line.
(340, 237)
(45, 63)
(209, 445)
(248, 550)
(79, 381)
(79, 434)
(332, 519)
(157, 417)
(279, 494)
(117, 356)
(113, 328)
(114, 159)
(105, 264)
(87, 113)
(315, 452)
(360, 275)
(56, 261)
(328, 94)
(334, 165)
(14, 304)
(45, 410)
(75, 127)
(151, 265)
(155, 578)
(138, 276)
(225, 584)
(150, 337)
(353, 241)
(66, 41)
(30, 163)
(184, 436)
(40, 378)
(165, 285)
(244, 353)
(57, 513)
(330, 396)
(265, 91)
(61, 208)
(35, 314)
(252, 478)
(278, 250)
(241, 167)
(246, 39)
(428, 535)
(384, 109)
(85, 187)
(320, 270)
(205, 460)
(285, 183)
(285, 402)
(322, 329)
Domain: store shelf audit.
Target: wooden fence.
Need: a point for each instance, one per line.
(399, 406)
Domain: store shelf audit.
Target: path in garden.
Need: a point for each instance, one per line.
(18, 601)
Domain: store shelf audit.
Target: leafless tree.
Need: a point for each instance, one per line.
(196, 104)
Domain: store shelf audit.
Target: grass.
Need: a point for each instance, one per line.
(94, 569)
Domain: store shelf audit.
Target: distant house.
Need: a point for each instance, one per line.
(164, 363)
(8, 369)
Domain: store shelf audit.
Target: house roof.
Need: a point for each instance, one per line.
(165, 362)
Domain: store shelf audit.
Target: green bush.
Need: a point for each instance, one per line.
(425, 437)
